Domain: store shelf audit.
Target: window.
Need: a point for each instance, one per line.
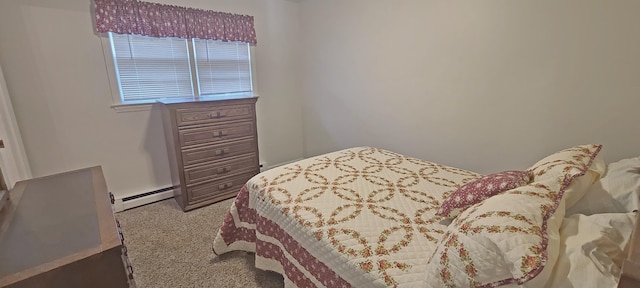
(149, 68)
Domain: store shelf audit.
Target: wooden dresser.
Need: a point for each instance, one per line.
(212, 146)
(59, 231)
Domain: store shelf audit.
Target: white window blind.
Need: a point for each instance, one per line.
(223, 67)
(149, 68)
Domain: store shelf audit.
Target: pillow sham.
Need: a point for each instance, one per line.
(509, 238)
(567, 164)
(481, 189)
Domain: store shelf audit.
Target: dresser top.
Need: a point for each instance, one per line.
(52, 220)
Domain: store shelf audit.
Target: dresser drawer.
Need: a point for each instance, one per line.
(216, 133)
(213, 114)
(218, 152)
(220, 188)
(220, 169)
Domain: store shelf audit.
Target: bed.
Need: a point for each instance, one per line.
(368, 217)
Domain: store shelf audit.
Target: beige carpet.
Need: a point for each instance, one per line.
(171, 248)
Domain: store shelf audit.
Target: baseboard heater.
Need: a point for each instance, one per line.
(145, 198)
(141, 199)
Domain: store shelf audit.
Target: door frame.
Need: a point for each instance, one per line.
(13, 158)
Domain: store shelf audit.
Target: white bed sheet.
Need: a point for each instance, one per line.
(592, 250)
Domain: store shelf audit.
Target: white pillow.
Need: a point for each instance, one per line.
(623, 182)
(616, 192)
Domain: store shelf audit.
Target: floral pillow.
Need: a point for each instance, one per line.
(513, 237)
(570, 162)
(481, 189)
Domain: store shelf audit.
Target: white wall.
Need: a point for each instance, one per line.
(56, 76)
(482, 85)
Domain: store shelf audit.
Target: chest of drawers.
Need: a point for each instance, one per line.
(212, 148)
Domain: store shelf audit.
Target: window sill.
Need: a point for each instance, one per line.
(122, 108)
(136, 107)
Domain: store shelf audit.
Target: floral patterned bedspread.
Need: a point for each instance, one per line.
(361, 217)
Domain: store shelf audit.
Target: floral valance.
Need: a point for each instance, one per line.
(160, 20)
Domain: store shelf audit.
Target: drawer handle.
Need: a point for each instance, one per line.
(130, 268)
(225, 186)
(220, 133)
(217, 115)
(224, 170)
(222, 152)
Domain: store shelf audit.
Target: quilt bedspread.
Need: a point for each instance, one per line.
(360, 217)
